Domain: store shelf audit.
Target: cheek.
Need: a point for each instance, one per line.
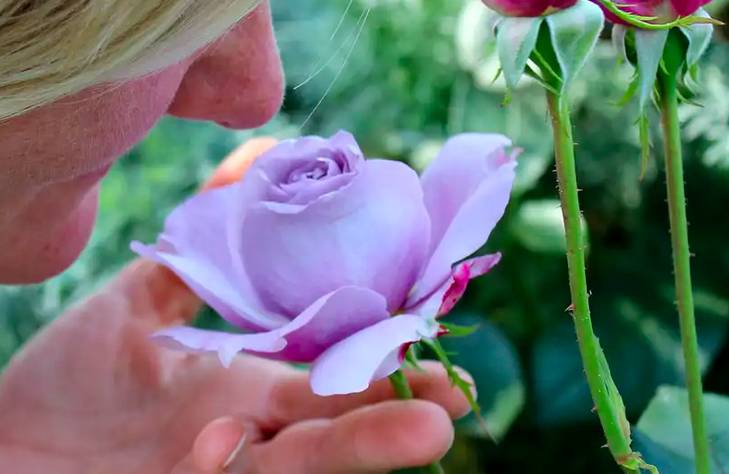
(84, 133)
(130, 111)
(52, 161)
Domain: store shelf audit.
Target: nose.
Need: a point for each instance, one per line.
(236, 81)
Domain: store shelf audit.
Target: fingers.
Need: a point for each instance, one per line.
(378, 438)
(291, 398)
(154, 293)
(221, 444)
(218, 446)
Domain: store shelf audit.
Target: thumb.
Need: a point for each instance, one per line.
(154, 292)
(219, 448)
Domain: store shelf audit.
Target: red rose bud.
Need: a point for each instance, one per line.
(663, 10)
(529, 8)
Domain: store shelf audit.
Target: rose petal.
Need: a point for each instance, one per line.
(687, 7)
(330, 319)
(466, 189)
(372, 234)
(445, 297)
(372, 353)
(227, 345)
(196, 246)
(276, 166)
(327, 321)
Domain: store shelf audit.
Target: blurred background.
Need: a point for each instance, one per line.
(405, 74)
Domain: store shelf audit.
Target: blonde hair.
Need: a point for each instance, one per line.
(53, 48)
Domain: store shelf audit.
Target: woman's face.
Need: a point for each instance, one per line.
(52, 158)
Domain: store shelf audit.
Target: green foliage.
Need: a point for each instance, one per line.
(419, 72)
(664, 431)
(493, 363)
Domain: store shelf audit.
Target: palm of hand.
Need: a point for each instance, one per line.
(97, 386)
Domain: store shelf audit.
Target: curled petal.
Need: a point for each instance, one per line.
(445, 297)
(327, 321)
(330, 319)
(196, 246)
(372, 353)
(466, 189)
(226, 345)
(373, 234)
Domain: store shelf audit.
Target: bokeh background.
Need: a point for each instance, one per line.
(405, 74)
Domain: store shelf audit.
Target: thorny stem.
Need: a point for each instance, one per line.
(592, 357)
(682, 263)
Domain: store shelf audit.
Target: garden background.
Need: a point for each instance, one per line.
(405, 74)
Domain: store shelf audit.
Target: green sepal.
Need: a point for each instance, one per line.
(515, 41)
(630, 91)
(458, 330)
(649, 47)
(455, 378)
(411, 358)
(618, 37)
(699, 37)
(649, 22)
(574, 33)
(645, 143)
(537, 77)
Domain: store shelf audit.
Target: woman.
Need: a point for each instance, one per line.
(80, 83)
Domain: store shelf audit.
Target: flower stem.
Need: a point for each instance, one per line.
(682, 264)
(596, 370)
(402, 388)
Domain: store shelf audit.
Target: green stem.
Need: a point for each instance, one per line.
(402, 388)
(682, 265)
(598, 376)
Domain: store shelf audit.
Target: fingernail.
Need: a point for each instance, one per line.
(234, 454)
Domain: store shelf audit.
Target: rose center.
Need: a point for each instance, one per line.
(315, 170)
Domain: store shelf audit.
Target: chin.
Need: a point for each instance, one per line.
(47, 252)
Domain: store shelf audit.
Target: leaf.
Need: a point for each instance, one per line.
(492, 361)
(649, 46)
(574, 33)
(516, 39)
(699, 37)
(665, 430)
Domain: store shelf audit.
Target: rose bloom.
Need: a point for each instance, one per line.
(664, 10)
(323, 257)
(530, 8)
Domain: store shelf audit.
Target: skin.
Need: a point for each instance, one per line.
(90, 393)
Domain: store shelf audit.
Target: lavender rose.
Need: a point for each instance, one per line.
(321, 256)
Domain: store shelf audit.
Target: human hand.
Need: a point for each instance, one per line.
(92, 394)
